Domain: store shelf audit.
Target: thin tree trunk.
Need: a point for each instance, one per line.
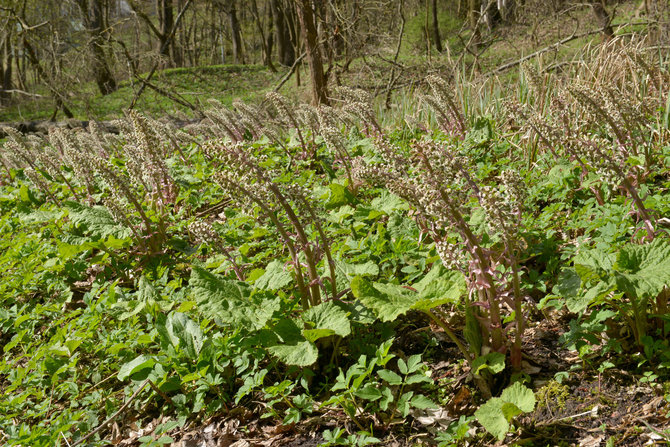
(437, 40)
(236, 34)
(269, 40)
(285, 49)
(92, 14)
(318, 78)
(603, 18)
(166, 15)
(473, 20)
(7, 61)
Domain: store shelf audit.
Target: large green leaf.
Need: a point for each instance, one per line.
(520, 396)
(95, 221)
(496, 414)
(303, 353)
(643, 270)
(275, 277)
(326, 319)
(492, 418)
(390, 300)
(139, 363)
(387, 301)
(593, 264)
(438, 287)
(184, 333)
(231, 302)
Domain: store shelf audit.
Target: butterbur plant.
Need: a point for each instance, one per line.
(256, 185)
(438, 186)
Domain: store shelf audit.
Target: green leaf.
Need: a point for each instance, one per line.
(404, 403)
(387, 203)
(402, 367)
(339, 196)
(326, 316)
(96, 221)
(492, 418)
(414, 363)
(231, 302)
(184, 333)
(520, 396)
(440, 286)
(493, 361)
(369, 392)
(387, 398)
(386, 300)
(302, 353)
(389, 376)
(422, 402)
(510, 410)
(643, 271)
(275, 277)
(390, 300)
(140, 363)
(568, 283)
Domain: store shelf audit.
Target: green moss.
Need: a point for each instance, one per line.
(554, 393)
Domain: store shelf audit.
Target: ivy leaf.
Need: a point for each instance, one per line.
(231, 302)
(140, 363)
(275, 277)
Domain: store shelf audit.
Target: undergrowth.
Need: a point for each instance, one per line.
(272, 257)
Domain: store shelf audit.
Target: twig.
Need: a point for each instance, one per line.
(65, 439)
(572, 37)
(561, 42)
(115, 415)
(167, 41)
(392, 77)
(654, 430)
(287, 76)
(21, 92)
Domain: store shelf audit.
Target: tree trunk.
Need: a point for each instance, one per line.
(437, 40)
(603, 18)
(7, 61)
(269, 40)
(92, 14)
(285, 50)
(313, 52)
(473, 20)
(34, 61)
(236, 34)
(166, 21)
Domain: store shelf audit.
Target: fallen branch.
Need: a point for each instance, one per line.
(287, 76)
(115, 415)
(167, 41)
(555, 45)
(561, 42)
